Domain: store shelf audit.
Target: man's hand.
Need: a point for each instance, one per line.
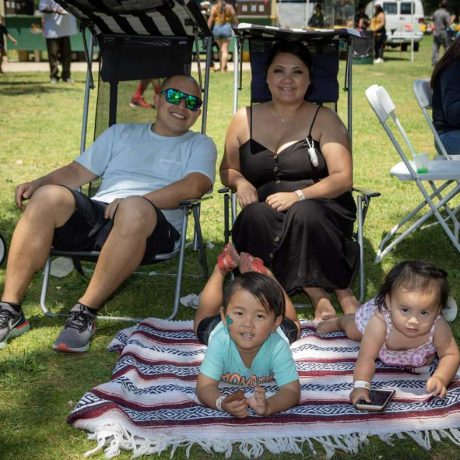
(258, 402)
(359, 393)
(436, 386)
(246, 194)
(111, 209)
(282, 201)
(23, 193)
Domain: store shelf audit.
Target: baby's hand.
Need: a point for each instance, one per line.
(359, 393)
(258, 402)
(436, 386)
(236, 405)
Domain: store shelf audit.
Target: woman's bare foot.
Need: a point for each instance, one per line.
(329, 325)
(321, 303)
(347, 300)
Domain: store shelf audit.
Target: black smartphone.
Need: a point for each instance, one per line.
(379, 399)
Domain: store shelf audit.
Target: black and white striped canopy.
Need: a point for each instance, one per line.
(139, 17)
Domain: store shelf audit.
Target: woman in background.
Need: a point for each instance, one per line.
(220, 21)
(445, 82)
(380, 35)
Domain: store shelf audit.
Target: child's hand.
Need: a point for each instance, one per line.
(258, 402)
(359, 393)
(436, 387)
(237, 408)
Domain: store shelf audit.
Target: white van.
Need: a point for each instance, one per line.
(403, 21)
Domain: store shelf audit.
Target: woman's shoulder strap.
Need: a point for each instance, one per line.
(314, 119)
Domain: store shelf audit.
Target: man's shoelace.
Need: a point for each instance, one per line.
(78, 320)
(5, 317)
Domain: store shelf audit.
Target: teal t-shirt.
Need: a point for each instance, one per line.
(273, 361)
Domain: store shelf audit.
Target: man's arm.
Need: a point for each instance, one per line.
(50, 6)
(73, 175)
(193, 185)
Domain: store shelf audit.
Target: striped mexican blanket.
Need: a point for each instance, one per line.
(150, 405)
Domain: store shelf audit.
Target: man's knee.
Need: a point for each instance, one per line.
(52, 197)
(135, 214)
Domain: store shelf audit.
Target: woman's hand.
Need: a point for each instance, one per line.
(246, 193)
(359, 393)
(238, 408)
(282, 201)
(258, 402)
(436, 386)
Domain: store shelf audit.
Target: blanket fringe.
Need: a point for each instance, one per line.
(114, 439)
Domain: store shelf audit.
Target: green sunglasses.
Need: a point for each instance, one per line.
(174, 96)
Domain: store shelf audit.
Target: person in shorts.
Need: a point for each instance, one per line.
(220, 21)
(4, 33)
(146, 170)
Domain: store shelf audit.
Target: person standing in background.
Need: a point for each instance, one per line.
(380, 34)
(3, 33)
(317, 18)
(442, 20)
(220, 21)
(362, 20)
(445, 82)
(58, 27)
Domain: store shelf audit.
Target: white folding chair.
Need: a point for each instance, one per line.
(424, 95)
(435, 201)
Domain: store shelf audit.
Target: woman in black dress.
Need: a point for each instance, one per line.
(289, 162)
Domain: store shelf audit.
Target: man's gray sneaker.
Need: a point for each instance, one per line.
(77, 332)
(12, 323)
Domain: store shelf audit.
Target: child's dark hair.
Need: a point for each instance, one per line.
(414, 274)
(265, 289)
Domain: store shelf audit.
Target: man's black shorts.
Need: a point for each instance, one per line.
(87, 229)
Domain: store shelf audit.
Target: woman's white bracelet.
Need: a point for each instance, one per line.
(300, 194)
(219, 402)
(361, 384)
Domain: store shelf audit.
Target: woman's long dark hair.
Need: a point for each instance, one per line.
(451, 55)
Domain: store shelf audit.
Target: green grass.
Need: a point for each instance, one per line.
(40, 129)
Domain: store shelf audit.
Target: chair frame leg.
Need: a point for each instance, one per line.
(433, 209)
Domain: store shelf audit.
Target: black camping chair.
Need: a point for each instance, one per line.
(145, 39)
(325, 47)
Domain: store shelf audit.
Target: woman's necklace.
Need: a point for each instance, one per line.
(284, 119)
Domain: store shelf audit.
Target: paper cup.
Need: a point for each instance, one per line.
(421, 163)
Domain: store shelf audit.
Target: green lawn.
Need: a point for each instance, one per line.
(40, 129)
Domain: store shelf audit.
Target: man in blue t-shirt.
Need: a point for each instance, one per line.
(146, 170)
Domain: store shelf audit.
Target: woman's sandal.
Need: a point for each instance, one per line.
(250, 263)
(228, 259)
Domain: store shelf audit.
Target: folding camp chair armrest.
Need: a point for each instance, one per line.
(194, 201)
(225, 190)
(367, 193)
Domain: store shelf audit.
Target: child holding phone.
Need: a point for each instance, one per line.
(402, 326)
(247, 330)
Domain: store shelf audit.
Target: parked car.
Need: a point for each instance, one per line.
(403, 21)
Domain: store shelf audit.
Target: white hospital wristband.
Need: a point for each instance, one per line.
(300, 194)
(361, 384)
(219, 402)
